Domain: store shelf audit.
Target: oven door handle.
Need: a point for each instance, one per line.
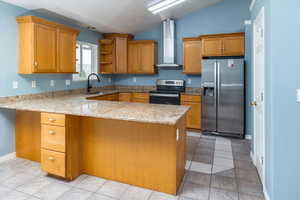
(164, 95)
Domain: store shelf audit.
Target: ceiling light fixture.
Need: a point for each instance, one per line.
(163, 5)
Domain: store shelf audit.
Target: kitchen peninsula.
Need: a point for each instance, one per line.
(134, 143)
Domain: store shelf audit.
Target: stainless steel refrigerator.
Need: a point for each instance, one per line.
(223, 96)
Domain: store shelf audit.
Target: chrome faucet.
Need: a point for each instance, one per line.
(89, 84)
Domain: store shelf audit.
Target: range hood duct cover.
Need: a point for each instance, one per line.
(168, 44)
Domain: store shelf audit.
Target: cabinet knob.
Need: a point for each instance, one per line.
(51, 158)
(35, 63)
(51, 120)
(51, 132)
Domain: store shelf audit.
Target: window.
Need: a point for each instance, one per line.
(86, 60)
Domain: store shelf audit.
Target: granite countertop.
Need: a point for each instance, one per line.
(77, 104)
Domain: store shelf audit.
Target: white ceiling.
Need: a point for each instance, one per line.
(122, 16)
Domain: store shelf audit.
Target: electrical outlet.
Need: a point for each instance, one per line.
(134, 79)
(33, 84)
(189, 81)
(15, 84)
(109, 80)
(298, 95)
(52, 83)
(68, 82)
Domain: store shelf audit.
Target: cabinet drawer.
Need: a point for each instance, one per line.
(191, 98)
(53, 138)
(53, 119)
(53, 162)
(140, 95)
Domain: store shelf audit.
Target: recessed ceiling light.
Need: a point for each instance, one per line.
(163, 5)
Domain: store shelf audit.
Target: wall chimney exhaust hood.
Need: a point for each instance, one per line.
(168, 44)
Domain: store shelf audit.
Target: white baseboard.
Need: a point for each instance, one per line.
(7, 157)
(252, 157)
(248, 137)
(266, 194)
(194, 134)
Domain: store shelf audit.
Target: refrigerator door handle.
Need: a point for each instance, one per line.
(215, 79)
(218, 85)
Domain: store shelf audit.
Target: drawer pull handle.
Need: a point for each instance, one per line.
(51, 132)
(51, 120)
(51, 158)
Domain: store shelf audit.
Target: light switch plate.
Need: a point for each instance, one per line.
(52, 83)
(33, 84)
(134, 79)
(298, 95)
(109, 80)
(68, 82)
(15, 84)
(189, 81)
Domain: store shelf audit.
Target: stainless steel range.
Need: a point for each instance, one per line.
(167, 92)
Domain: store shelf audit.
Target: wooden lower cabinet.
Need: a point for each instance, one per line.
(140, 97)
(194, 115)
(109, 97)
(117, 150)
(53, 162)
(60, 149)
(125, 96)
(54, 138)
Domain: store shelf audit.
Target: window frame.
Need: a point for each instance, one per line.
(94, 60)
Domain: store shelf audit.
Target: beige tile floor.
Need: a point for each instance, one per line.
(218, 169)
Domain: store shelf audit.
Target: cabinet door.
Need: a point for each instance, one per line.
(125, 97)
(234, 46)
(147, 58)
(66, 54)
(45, 49)
(133, 57)
(212, 47)
(194, 115)
(192, 57)
(121, 55)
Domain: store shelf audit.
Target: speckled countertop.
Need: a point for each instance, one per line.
(77, 104)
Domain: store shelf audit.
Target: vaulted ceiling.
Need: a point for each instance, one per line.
(123, 16)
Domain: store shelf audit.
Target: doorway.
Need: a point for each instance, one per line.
(258, 102)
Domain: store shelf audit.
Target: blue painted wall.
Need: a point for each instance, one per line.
(9, 65)
(283, 69)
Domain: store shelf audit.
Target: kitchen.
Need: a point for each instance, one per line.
(87, 130)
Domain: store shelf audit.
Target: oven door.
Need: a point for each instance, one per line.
(171, 99)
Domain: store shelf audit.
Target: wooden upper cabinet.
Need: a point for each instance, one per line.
(133, 57)
(114, 53)
(212, 47)
(46, 47)
(107, 56)
(121, 55)
(66, 58)
(192, 56)
(223, 45)
(234, 46)
(142, 57)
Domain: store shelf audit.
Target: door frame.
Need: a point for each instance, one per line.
(255, 138)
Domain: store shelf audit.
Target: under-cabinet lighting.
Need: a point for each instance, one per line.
(163, 5)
